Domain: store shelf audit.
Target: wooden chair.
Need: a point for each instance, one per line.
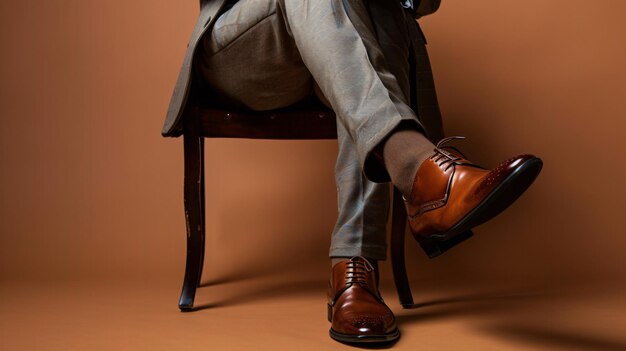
(305, 121)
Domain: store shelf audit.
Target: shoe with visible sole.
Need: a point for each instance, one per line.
(356, 310)
(451, 195)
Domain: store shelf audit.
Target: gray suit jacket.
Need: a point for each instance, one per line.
(209, 11)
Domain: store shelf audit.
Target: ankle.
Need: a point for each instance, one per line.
(403, 152)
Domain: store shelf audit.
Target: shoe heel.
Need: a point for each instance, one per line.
(330, 313)
(434, 248)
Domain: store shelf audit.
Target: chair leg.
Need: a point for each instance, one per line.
(202, 212)
(398, 226)
(194, 216)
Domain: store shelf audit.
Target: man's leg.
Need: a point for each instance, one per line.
(445, 194)
(363, 207)
(338, 44)
(249, 59)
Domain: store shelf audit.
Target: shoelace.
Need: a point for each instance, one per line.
(357, 271)
(441, 157)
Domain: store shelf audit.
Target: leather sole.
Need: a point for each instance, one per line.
(436, 247)
(365, 339)
(500, 198)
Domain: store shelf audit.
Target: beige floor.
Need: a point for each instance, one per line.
(280, 312)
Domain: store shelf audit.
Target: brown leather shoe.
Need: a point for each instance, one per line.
(451, 195)
(355, 308)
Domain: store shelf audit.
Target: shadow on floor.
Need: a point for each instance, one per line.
(532, 327)
(544, 338)
(237, 277)
(469, 304)
(244, 289)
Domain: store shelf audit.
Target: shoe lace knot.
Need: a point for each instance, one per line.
(443, 157)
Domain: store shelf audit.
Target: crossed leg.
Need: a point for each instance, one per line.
(267, 54)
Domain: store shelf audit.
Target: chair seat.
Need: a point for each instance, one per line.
(275, 124)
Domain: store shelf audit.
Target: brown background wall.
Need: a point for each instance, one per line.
(89, 189)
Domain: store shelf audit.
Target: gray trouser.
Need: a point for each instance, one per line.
(267, 54)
